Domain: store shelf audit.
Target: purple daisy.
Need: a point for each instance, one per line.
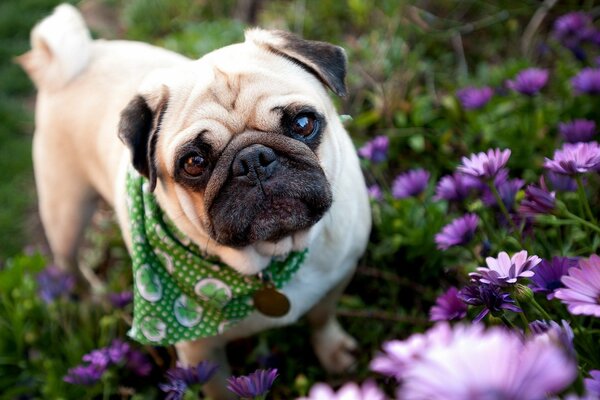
(375, 193)
(592, 385)
(175, 390)
(448, 307)
(458, 232)
(473, 98)
(121, 299)
(507, 189)
(485, 364)
(587, 81)
(572, 28)
(253, 385)
(548, 275)
(350, 391)
(455, 187)
(54, 283)
(506, 270)
(410, 184)
(85, 375)
(575, 158)
(582, 288)
(529, 81)
(485, 165)
(560, 334)
(578, 130)
(376, 149)
(488, 296)
(537, 201)
(561, 182)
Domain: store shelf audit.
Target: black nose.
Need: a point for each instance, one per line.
(255, 163)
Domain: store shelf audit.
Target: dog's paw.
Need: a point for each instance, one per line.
(335, 348)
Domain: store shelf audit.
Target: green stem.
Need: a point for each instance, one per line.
(522, 315)
(540, 310)
(582, 221)
(583, 198)
(507, 322)
(505, 212)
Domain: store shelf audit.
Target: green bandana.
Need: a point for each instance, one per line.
(179, 294)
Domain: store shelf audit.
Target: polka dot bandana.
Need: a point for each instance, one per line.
(179, 293)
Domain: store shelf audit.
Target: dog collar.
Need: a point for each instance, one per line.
(179, 294)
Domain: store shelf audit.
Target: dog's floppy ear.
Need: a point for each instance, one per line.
(138, 129)
(326, 61)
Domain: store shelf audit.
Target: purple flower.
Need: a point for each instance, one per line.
(592, 385)
(506, 270)
(485, 165)
(375, 193)
(200, 374)
(561, 183)
(350, 391)
(488, 364)
(572, 28)
(560, 334)
(458, 232)
(529, 81)
(121, 299)
(507, 190)
(375, 150)
(175, 390)
(578, 130)
(488, 296)
(54, 283)
(473, 98)
(448, 307)
(138, 363)
(409, 184)
(455, 187)
(255, 384)
(575, 158)
(582, 292)
(548, 275)
(98, 357)
(85, 375)
(118, 351)
(587, 81)
(537, 201)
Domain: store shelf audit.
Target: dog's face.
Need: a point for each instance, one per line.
(241, 140)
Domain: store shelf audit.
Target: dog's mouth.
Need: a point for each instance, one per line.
(267, 195)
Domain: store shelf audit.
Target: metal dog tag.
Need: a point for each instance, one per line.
(270, 301)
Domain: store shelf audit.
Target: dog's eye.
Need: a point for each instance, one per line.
(194, 164)
(305, 124)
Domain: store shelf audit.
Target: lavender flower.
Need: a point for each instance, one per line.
(409, 184)
(561, 183)
(485, 165)
(497, 363)
(350, 391)
(455, 187)
(254, 385)
(85, 375)
(121, 299)
(458, 232)
(448, 307)
(375, 193)
(548, 275)
(576, 158)
(529, 81)
(582, 292)
(488, 296)
(592, 385)
(507, 190)
(473, 98)
(537, 201)
(506, 270)
(572, 28)
(98, 357)
(587, 81)
(375, 150)
(578, 130)
(54, 283)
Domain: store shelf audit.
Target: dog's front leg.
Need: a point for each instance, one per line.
(212, 349)
(332, 344)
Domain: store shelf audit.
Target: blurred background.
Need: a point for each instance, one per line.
(406, 61)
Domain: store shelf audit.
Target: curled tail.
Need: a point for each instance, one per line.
(60, 48)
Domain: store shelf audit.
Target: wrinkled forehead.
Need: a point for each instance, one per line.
(232, 90)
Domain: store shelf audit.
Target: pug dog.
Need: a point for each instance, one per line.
(242, 149)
